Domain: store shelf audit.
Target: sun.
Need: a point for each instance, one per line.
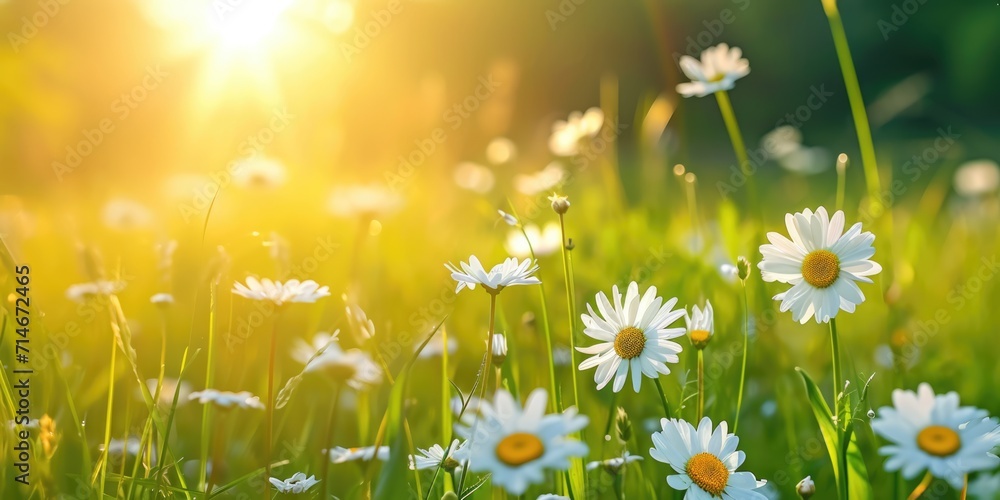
(245, 25)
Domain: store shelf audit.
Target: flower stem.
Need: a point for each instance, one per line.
(202, 485)
(965, 487)
(743, 369)
(663, 397)
(270, 408)
(482, 389)
(328, 440)
(701, 383)
(570, 307)
(919, 490)
(733, 128)
(838, 384)
(865, 143)
(107, 421)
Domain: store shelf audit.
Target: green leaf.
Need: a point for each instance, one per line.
(858, 486)
(825, 420)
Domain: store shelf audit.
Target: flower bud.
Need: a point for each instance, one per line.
(498, 349)
(623, 426)
(560, 204)
(806, 488)
(742, 268)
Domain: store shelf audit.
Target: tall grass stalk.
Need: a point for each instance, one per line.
(328, 441)
(570, 304)
(857, 102)
(736, 137)
(209, 375)
(268, 439)
(663, 397)
(110, 412)
(838, 386)
(743, 368)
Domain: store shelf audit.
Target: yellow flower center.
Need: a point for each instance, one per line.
(519, 448)
(630, 342)
(717, 78)
(708, 472)
(821, 268)
(939, 441)
(700, 338)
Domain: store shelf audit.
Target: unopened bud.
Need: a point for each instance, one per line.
(498, 349)
(806, 488)
(623, 426)
(560, 204)
(742, 268)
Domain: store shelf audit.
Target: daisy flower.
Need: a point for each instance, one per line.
(977, 178)
(225, 399)
(719, 68)
(705, 460)
(510, 273)
(435, 456)
(821, 262)
(518, 445)
(81, 292)
(298, 483)
(932, 432)
(498, 349)
(614, 465)
(361, 200)
(340, 455)
(281, 293)
(632, 335)
(567, 134)
(324, 355)
(544, 242)
(258, 172)
(700, 325)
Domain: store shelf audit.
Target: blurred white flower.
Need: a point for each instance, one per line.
(298, 483)
(614, 465)
(123, 214)
(474, 177)
(719, 68)
(258, 171)
(500, 150)
(567, 135)
(358, 319)
(509, 273)
(977, 178)
(985, 487)
(225, 399)
(340, 455)
(120, 447)
(281, 293)
(81, 292)
(728, 272)
(932, 432)
(551, 496)
(542, 181)
(435, 456)
(508, 218)
(162, 299)
(324, 355)
(784, 144)
(167, 391)
(364, 200)
(544, 242)
(561, 356)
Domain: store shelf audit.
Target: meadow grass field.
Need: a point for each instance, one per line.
(247, 273)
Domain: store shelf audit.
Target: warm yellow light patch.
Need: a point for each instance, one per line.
(708, 472)
(821, 268)
(939, 440)
(630, 342)
(519, 448)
